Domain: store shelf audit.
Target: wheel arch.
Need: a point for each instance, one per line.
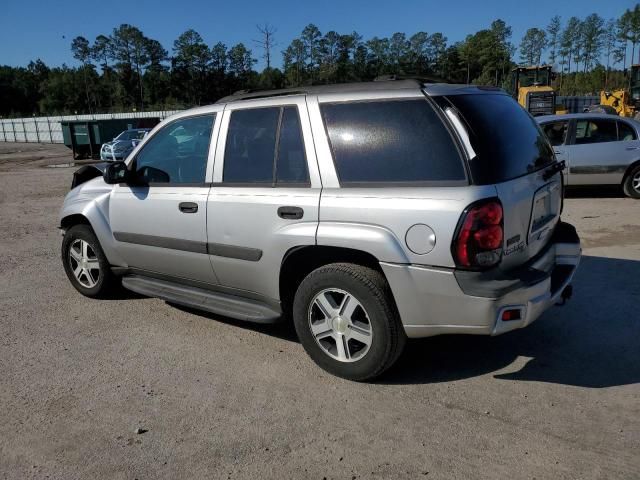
(74, 219)
(630, 169)
(90, 213)
(299, 261)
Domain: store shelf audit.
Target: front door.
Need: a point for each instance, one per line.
(558, 134)
(159, 219)
(265, 195)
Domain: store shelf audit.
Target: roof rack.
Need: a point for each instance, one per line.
(418, 78)
(396, 84)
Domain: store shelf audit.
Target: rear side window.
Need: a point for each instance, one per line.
(265, 146)
(595, 131)
(625, 132)
(392, 141)
(506, 140)
(556, 132)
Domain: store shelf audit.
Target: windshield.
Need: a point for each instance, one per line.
(528, 78)
(506, 141)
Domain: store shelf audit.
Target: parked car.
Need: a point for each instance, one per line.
(367, 213)
(123, 144)
(599, 149)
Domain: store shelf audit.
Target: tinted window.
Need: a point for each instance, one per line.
(178, 152)
(252, 154)
(291, 163)
(625, 132)
(595, 131)
(251, 145)
(507, 141)
(556, 132)
(391, 141)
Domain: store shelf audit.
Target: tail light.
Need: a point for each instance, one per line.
(479, 236)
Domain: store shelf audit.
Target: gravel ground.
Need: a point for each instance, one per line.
(223, 399)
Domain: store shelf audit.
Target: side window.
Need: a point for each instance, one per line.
(250, 147)
(255, 154)
(556, 132)
(626, 132)
(291, 166)
(178, 153)
(595, 131)
(401, 141)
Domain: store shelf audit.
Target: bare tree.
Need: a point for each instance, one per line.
(267, 42)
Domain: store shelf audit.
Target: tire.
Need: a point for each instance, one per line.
(352, 304)
(97, 282)
(631, 184)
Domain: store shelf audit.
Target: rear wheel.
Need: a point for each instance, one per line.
(85, 264)
(631, 184)
(347, 322)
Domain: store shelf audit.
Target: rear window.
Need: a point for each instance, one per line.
(506, 140)
(400, 142)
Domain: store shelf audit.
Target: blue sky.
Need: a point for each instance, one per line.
(31, 29)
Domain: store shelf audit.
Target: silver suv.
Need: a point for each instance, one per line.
(366, 213)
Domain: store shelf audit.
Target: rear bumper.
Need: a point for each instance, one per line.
(434, 301)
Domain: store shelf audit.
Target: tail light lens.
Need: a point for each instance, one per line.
(480, 234)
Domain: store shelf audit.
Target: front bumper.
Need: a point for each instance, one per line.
(433, 301)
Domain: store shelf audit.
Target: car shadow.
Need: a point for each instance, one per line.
(593, 341)
(282, 329)
(594, 191)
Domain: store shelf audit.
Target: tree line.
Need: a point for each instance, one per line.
(127, 70)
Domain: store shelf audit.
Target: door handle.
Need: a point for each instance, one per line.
(557, 152)
(188, 207)
(632, 148)
(290, 213)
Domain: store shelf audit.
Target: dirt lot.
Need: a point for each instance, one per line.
(222, 399)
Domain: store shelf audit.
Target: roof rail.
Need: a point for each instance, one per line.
(417, 78)
(398, 83)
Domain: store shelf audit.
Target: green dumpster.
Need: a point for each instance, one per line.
(85, 137)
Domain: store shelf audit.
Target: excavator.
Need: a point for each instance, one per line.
(532, 88)
(625, 101)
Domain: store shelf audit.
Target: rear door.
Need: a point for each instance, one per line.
(266, 191)
(597, 157)
(511, 152)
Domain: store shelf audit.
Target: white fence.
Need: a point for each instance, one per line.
(49, 130)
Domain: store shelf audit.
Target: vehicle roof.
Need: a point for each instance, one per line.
(362, 87)
(567, 116)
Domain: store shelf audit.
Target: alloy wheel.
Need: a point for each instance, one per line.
(340, 325)
(84, 263)
(635, 182)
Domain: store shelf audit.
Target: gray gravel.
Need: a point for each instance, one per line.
(223, 399)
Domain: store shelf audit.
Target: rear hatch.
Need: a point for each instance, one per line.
(507, 149)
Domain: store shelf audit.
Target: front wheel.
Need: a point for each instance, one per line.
(632, 183)
(347, 321)
(85, 263)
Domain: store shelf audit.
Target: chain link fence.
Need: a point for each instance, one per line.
(49, 130)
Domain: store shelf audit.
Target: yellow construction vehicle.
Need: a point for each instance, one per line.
(625, 101)
(532, 88)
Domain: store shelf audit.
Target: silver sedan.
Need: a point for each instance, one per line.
(599, 149)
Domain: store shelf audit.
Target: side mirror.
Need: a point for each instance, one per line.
(116, 172)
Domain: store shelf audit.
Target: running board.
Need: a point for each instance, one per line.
(231, 306)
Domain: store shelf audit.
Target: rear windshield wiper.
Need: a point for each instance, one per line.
(553, 169)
